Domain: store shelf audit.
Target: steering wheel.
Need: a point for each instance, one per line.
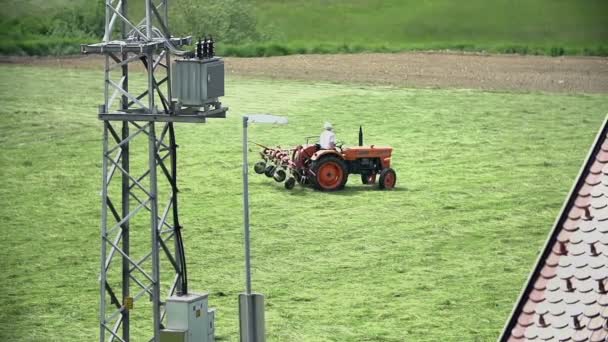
(339, 144)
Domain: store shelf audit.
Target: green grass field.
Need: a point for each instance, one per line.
(329, 26)
(481, 177)
(500, 26)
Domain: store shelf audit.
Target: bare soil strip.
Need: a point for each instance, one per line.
(434, 70)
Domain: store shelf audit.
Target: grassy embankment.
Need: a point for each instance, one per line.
(481, 177)
(569, 27)
(528, 27)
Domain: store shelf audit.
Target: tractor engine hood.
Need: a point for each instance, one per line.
(357, 152)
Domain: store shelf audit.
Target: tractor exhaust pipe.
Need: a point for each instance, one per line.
(360, 136)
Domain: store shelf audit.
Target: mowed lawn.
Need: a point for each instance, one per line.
(481, 178)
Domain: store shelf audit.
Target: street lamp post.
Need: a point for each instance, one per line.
(251, 305)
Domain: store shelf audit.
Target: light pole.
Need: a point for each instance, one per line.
(251, 305)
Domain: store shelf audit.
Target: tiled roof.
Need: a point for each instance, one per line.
(566, 296)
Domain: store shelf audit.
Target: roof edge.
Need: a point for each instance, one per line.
(563, 214)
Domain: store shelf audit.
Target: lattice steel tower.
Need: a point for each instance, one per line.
(140, 228)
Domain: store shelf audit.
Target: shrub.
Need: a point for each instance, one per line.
(78, 21)
(229, 21)
(557, 51)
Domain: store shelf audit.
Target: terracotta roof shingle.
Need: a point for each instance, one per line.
(566, 296)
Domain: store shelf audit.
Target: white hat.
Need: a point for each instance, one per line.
(328, 126)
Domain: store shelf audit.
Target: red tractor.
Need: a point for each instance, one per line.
(328, 169)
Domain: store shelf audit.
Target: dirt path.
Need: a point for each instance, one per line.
(440, 70)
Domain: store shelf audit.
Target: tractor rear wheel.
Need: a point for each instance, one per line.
(388, 179)
(259, 167)
(330, 173)
(368, 178)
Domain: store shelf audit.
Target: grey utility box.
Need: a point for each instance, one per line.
(168, 335)
(197, 82)
(189, 319)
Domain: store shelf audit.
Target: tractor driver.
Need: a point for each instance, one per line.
(327, 140)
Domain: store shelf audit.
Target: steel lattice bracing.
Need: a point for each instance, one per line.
(128, 206)
(140, 230)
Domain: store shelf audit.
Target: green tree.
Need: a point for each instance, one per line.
(229, 21)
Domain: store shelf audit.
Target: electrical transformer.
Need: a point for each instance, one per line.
(198, 82)
(189, 319)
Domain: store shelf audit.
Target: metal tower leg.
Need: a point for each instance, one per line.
(104, 220)
(154, 233)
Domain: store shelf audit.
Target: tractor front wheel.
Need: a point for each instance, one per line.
(388, 179)
(368, 178)
(330, 174)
